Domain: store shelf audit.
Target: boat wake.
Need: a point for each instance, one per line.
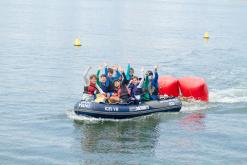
(71, 115)
(216, 98)
(231, 95)
(194, 105)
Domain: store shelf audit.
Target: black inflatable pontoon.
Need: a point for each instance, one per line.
(122, 111)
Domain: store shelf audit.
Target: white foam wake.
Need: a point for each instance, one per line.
(216, 98)
(194, 105)
(231, 95)
(71, 115)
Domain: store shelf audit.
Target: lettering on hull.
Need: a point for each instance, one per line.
(84, 105)
(139, 108)
(111, 109)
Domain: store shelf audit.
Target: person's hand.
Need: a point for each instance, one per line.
(142, 69)
(155, 68)
(120, 69)
(108, 95)
(115, 67)
(100, 67)
(88, 68)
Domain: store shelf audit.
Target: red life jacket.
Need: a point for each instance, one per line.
(92, 89)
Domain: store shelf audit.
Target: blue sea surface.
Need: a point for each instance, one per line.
(41, 80)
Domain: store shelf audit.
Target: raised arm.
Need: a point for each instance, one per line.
(98, 74)
(142, 80)
(156, 75)
(146, 82)
(128, 72)
(106, 69)
(117, 74)
(124, 79)
(85, 75)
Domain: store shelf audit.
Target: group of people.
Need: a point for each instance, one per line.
(113, 85)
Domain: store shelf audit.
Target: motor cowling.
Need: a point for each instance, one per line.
(194, 87)
(168, 85)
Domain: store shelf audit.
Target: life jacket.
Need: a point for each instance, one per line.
(110, 87)
(133, 89)
(92, 89)
(104, 87)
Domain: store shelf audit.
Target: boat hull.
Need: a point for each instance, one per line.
(123, 111)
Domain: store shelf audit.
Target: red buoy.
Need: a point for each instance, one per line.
(195, 87)
(168, 85)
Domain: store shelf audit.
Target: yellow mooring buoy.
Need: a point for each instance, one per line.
(77, 42)
(206, 35)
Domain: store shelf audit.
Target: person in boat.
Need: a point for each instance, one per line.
(135, 87)
(121, 92)
(129, 73)
(153, 85)
(145, 93)
(106, 88)
(115, 97)
(112, 74)
(90, 88)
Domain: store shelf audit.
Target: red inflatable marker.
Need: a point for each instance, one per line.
(168, 85)
(195, 87)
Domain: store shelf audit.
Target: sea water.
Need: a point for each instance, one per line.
(41, 80)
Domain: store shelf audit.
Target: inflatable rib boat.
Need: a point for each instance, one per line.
(123, 111)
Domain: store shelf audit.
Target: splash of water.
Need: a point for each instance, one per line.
(216, 98)
(194, 105)
(71, 115)
(231, 95)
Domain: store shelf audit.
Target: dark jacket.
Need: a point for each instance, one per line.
(122, 92)
(106, 87)
(155, 86)
(133, 89)
(103, 87)
(113, 78)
